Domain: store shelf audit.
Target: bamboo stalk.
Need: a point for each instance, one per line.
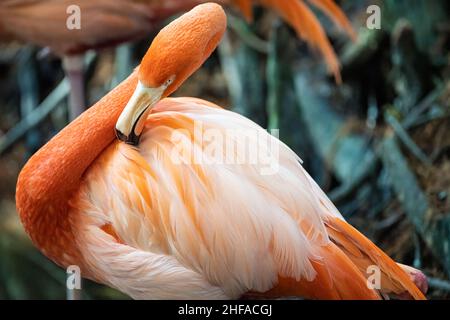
(36, 116)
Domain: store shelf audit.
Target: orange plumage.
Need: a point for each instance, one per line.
(143, 220)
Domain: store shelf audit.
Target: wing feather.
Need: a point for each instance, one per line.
(230, 222)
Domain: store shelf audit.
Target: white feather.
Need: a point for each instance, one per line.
(199, 230)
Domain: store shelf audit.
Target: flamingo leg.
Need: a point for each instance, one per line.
(73, 66)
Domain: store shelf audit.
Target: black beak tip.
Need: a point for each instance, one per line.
(132, 139)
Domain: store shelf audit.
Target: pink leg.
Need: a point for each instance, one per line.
(73, 67)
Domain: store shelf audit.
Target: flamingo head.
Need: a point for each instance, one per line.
(177, 51)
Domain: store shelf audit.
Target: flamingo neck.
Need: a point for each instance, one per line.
(52, 176)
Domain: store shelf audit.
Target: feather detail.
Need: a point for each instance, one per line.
(332, 10)
(158, 204)
(271, 238)
(337, 278)
(308, 27)
(364, 254)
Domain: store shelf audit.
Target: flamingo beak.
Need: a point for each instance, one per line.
(131, 121)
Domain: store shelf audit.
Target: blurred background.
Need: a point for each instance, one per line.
(378, 143)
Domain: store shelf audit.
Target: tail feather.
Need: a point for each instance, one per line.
(364, 253)
(297, 14)
(332, 10)
(341, 271)
(307, 27)
(337, 278)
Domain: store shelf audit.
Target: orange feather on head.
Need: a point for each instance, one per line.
(175, 54)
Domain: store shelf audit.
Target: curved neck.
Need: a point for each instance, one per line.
(53, 175)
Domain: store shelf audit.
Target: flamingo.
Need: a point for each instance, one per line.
(137, 213)
(105, 23)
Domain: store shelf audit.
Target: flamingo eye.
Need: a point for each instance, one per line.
(169, 82)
